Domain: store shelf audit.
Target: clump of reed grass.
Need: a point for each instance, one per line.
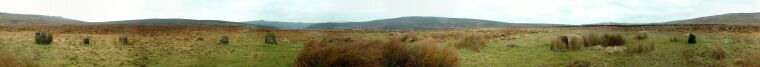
(473, 42)
(350, 52)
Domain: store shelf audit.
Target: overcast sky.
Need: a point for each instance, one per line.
(515, 11)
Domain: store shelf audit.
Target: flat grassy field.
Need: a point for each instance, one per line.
(525, 47)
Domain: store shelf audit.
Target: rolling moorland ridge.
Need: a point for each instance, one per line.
(727, 40)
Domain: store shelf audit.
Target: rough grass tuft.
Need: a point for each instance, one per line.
(559, 43)
(473, 42)
(592, 39)
(642, 48)
(674, 39)
(567, 43)
(609, 39)
(613, 39)
(717, 52)
(349, 52)
(579, 63)
(641, 36)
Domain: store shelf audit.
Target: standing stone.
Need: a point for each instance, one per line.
(692, 38)
(43, 38)
(224, 40)
(86, 40)
(270, 38)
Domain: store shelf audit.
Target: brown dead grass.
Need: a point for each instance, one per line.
(576, 42)
(613, 39)
(642, 47)
(473, 42)
(567, 43)
(749, 60)
(717, 52)
(592, 39)
(579, 63)
(674, 39)
(641, 36)
(7, 60)
(350, 52)
(559, 43)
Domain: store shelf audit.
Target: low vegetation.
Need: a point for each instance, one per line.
(7, 60)
(642, 47)
(350, 52)
(375, 48)
(567, 43)
(592, 38)
(613, 39)
(573, 42)
(560, 43)
(749, 60)
(472, 42)
(579, 63)
(717, 52)
(675, 39)
(641, 36)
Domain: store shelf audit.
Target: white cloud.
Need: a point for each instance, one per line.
(518, 11)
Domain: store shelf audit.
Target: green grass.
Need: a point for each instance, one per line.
(532, 51)
(249, 54)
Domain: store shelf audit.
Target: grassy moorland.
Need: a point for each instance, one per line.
(504, 47)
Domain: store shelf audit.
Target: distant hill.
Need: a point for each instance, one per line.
(413, 22)
(617, 23)
(184, 22)
(9, 18)
(284, 25)
(731, 19)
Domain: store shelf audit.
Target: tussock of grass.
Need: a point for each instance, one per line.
(592, 39)
(349, 52)
(717, 52)
(567, 43)
(674, 39)
(559, 43)
(613, 39)
(473, 42)
(579, 63)
(641, 36)
(576, 42)
(642, 47)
